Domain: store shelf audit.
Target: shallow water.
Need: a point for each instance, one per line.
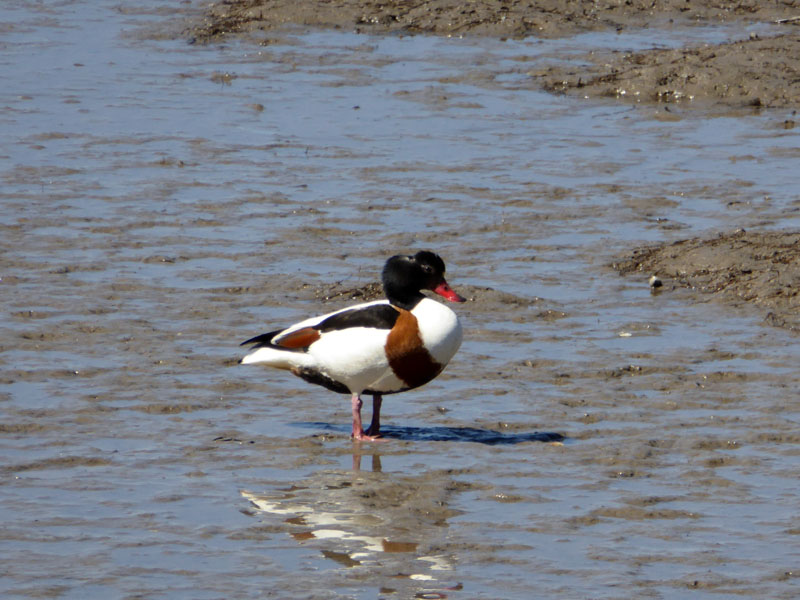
(163, 201)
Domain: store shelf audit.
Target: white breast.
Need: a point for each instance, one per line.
(440, 329)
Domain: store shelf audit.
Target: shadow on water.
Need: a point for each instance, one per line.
(449, 434)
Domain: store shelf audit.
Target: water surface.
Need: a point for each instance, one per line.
(162, 202)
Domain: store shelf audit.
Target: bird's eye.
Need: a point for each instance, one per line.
(427, 268)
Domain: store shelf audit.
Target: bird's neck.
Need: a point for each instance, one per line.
(403, 298)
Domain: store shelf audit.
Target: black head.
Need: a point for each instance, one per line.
(404, 276)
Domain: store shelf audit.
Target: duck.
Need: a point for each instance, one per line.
(375, 348)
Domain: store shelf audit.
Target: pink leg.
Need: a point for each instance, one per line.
(375, 425)
(358, 429)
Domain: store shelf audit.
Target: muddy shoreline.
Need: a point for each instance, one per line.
(751, 72)
(722, 79)
(550, 18)
(738, 269)
(741, 268)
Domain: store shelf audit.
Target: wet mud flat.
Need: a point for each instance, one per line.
(746, 74)
(742, 268)
(719, 79)
(590, 439)
(752, 72)
(507, 19)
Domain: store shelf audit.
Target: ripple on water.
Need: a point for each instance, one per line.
(155, 218)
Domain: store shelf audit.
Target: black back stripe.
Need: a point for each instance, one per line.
(376, 316)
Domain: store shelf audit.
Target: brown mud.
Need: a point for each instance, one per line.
(753, 72)
(758, 268)
(550, 18)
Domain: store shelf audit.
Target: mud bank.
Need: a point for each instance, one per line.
(549, 18)
(749, 73)
(752, 72)
(762, 269)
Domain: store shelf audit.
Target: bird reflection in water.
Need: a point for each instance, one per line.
(391, 526)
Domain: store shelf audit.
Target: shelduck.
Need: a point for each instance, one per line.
(380, 347)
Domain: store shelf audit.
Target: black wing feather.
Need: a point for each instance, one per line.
(377, 316)
(263, 340)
